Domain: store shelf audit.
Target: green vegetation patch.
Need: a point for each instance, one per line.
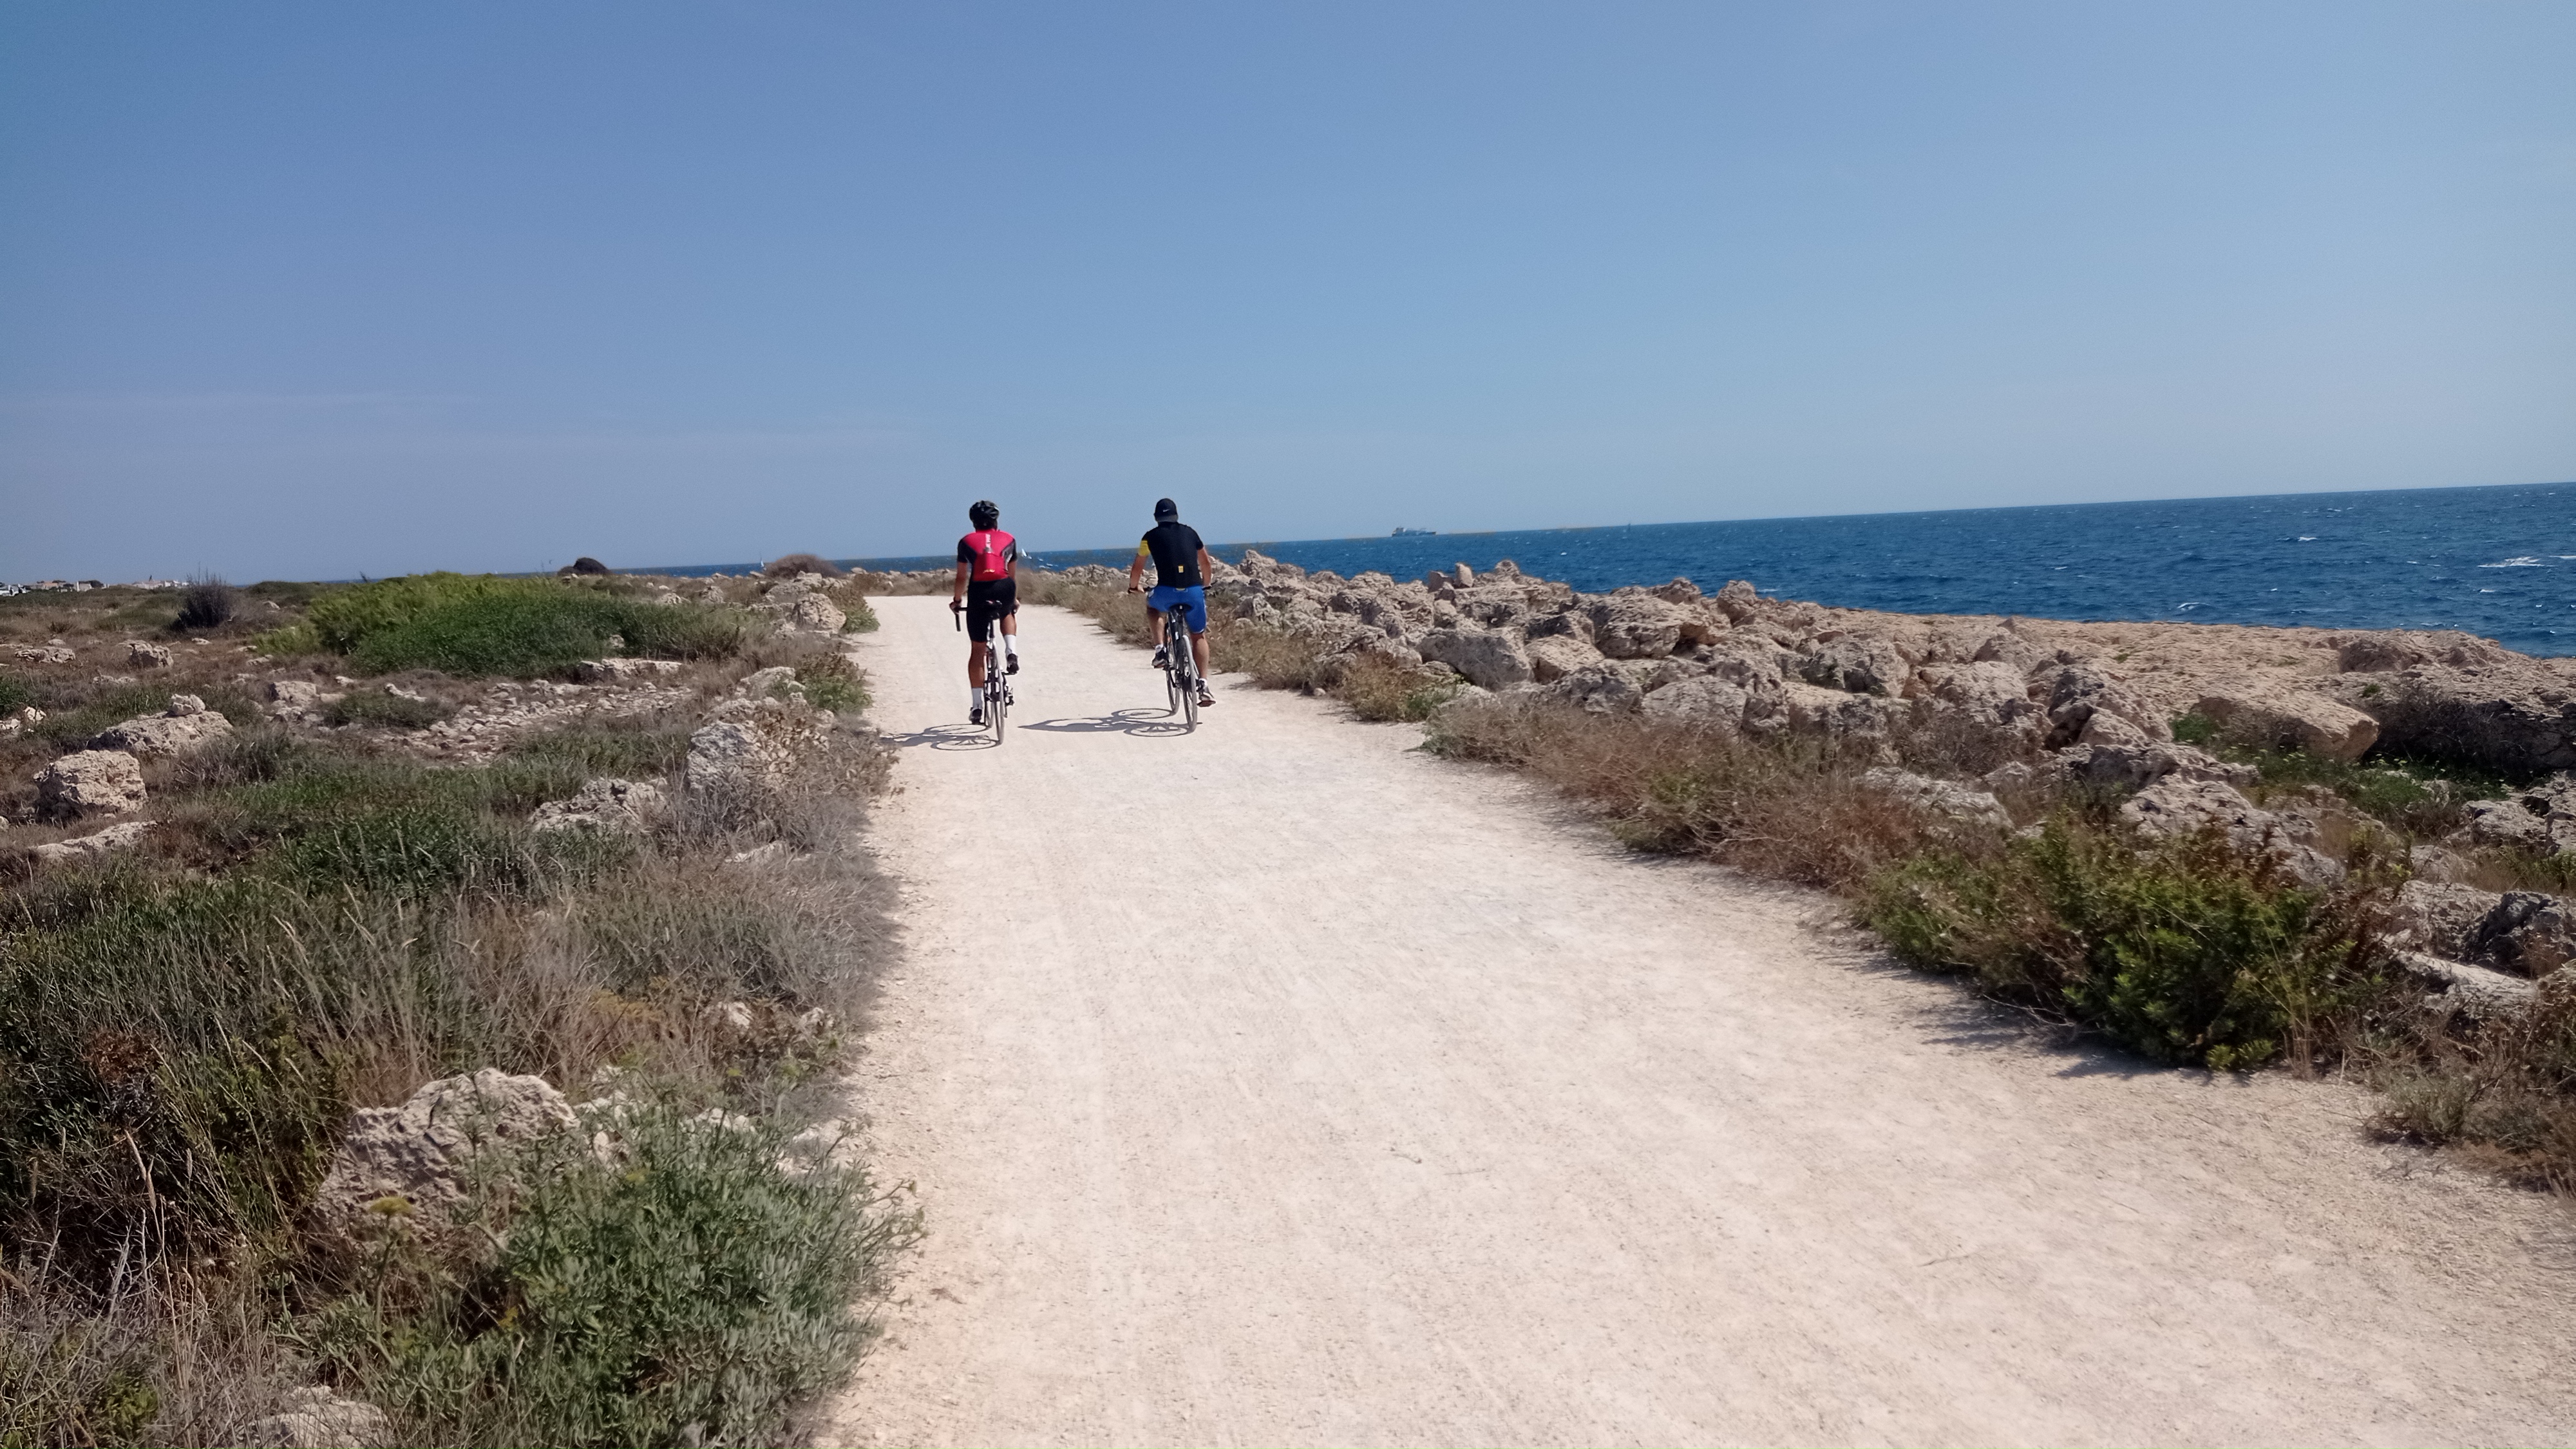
(482, 624)
(688, 1290)
(2186, 952)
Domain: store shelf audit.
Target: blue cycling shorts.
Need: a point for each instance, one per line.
(1195, 596)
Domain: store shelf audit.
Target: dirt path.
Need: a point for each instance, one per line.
(1439, 1120)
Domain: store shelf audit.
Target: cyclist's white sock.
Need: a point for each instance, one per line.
(974, 699)
(1011, 645)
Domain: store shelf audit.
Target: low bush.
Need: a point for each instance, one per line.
(861, 620)
(833, 683)
(15, 694)
(207, 603)
(690, 1291)
(2188, 951)
(485, 625)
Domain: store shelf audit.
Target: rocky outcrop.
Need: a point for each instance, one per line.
(1940, 797)
(800, 604)
(26, 717)
(730, 753)
(2282, 719)
(89, 783)
(54, 653)
(183, 728)
(142, 655)
(1854, 664)
(603, 807)
(408, 1166)
(2184, 804)
(2453, 696)
(1493, 658)
(316, 1418)
(94, 845)
(625, 671)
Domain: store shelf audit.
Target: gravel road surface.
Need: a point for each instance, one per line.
(1278, 1084)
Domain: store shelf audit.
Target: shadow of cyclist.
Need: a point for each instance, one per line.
(945, 737)
(1142, 721)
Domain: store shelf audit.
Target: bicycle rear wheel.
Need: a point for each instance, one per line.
(997, 707)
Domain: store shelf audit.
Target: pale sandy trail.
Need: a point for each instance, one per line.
(1437, 1119)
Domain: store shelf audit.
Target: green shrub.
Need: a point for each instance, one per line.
(389, 711)
(483, 624)
(691, 1292)
(833, 683)
(862, 619)
(2187, 952)
(291, 641)
(2195, 728)
(15, 694)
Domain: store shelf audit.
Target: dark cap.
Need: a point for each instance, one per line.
(1165, 510)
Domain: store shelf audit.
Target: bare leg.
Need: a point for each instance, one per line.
(975, 665)
(1198, 651)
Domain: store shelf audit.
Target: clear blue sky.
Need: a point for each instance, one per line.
(311, 290)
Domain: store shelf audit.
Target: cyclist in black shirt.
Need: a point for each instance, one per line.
(1181, 571)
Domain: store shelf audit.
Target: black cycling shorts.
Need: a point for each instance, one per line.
(987, 600)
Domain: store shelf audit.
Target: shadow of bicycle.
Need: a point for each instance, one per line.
(1123, 722)
(945, 737)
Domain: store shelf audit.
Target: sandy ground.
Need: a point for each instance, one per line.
(1278, 1084)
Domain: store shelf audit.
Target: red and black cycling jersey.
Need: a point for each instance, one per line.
(990, 551)
(1175, 548)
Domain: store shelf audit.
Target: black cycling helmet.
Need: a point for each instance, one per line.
(1165, 510)
(984, 513)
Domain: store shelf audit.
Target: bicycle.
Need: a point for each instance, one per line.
(997, 684)
(1180, 664)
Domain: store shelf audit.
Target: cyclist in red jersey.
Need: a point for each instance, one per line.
(988, 588)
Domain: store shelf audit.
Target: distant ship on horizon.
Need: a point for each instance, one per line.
(1415, 533)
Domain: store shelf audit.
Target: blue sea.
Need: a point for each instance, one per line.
(2500, 562)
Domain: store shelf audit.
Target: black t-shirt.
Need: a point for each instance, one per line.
(1175, 547)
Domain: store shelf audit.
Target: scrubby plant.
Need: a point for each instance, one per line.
(861, 620)
(2188, 951)
(208, 603)
(688, 1289)
(833, 683)
(15, 694)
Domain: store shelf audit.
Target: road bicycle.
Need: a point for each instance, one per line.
(1180, 663)
(997, 683)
